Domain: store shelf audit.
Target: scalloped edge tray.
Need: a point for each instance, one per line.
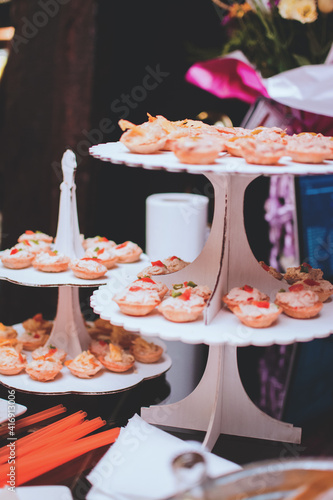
(31, 277)
(225, 328)
(104, 382)
(116, 152)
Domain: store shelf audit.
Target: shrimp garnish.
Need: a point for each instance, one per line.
(117, 360)
(11, 361)
(126, 125)
(146, 352)
(147, 138)
(85, 365)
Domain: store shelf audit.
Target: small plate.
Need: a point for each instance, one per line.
(43, 492)
(19, 410)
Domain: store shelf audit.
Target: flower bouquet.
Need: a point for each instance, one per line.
(277, 36)
(280, 49)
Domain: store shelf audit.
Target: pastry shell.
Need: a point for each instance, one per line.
(260, 321)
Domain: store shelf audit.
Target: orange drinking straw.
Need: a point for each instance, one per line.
(33, 419)
(24, 444)
(67, 436)
(39, 461)
(49, 430)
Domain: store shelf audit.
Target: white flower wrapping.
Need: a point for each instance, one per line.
(308, 88)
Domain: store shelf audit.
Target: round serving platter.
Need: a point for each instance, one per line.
(104, 382)
(117, 153)
(225, 328)
(31, 277)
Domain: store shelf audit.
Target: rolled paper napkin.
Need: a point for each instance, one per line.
(184, 238)
(138, 466)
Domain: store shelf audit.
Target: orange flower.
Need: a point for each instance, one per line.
(239, 10)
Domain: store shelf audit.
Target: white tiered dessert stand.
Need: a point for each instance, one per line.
(219, 404)
(69, 330)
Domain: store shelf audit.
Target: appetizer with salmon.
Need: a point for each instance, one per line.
(243, 295)
(323, 288)
(258, 313)
(49, 351)
(165, 266)
(88, 268)
(127, 252)
(12, 362)
(35, 235)
(43, 369)
(146, 352)
(38, 323)
(84, 365)
(182, 307)
(298, 302)
(117, 359)
(302, 272)
(7, 332)
(17, 258)
(134, 300)
(51, 262)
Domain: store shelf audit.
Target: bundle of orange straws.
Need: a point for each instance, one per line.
(51, 446)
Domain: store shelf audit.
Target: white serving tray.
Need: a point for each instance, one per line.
(225, 328)
(31, 277)
(104, 382)
(117, 153)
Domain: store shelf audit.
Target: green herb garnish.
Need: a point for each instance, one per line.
(191, 284)
(178, 286)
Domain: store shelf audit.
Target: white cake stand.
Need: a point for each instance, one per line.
(219, 404)
(69, 330)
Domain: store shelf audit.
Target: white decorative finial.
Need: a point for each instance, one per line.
(68, 239)
(68, 164)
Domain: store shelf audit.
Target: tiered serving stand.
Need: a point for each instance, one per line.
(219, 404)
(69, 330)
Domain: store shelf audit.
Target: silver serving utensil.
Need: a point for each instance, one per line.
(190, 469)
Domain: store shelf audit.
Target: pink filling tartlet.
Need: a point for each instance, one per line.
(299, 303)
(88, 268)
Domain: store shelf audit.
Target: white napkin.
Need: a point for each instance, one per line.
(138, 465)
(56, 492)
